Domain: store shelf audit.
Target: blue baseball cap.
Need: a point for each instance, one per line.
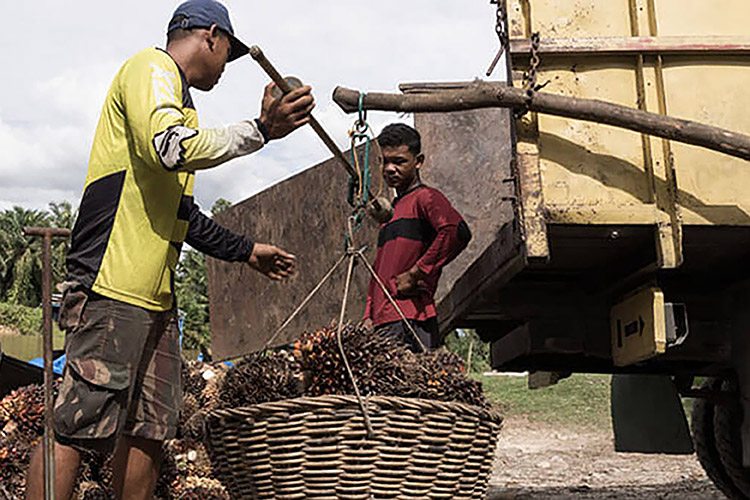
(203, 14)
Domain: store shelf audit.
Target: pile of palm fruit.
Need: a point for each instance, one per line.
(380, 365)
(186, 471)
(313, 366)
(21, 430)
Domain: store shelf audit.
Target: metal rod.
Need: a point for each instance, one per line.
(49, 450)
(264, 63)
(47, 234)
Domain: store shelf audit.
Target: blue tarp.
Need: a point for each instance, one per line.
(57, 364)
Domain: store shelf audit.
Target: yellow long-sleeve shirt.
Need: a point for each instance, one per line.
(137, 207)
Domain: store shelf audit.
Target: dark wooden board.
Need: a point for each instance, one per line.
(306, 215)
(469, 158)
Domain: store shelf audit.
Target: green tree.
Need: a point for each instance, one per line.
(61, 215)
(219, 206)
(20, 256)
(192, 293)
(462, 341)
(192, 299)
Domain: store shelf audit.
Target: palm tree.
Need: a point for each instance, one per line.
(20, 256)
(61, 215)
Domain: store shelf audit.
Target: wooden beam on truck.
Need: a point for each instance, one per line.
(481, 94)
(661, 45)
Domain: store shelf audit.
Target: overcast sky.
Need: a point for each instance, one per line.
(59, 58)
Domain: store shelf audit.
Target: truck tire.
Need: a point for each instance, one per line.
(702, 425)
(728, 437)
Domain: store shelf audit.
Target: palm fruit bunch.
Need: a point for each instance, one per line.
(200, 488)
(383, 365)
(14, 461)
(201, 383)
(193, 382)
(186, 472)
(214, 377)
(260, 378)
(95, 468)
(92, 490)
(372, 358)
(22, 411)
(440, 375)
(21, 429)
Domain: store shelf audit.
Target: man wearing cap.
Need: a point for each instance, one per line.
(121, 387)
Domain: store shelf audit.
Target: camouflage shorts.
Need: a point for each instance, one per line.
(122, 372)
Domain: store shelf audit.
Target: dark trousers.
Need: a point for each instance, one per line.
(426, 330)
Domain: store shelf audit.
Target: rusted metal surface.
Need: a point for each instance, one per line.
(47, 233)
(532, 201)
(306, 215)
(469, 158)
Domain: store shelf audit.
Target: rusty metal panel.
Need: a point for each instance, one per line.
(306, 215)
(469, 157)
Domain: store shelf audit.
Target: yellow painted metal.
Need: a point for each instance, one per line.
(638, 327)
(596, 174)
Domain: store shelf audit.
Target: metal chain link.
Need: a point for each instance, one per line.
(502, 34)
(530, 85)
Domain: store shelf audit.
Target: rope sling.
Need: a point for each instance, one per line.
(362, 142)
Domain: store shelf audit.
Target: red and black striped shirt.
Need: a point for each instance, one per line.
(425, 231)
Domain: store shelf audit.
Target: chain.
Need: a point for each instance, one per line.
(502, 34)
(359, 187)
(530, 85)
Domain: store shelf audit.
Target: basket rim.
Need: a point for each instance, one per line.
(336, 401)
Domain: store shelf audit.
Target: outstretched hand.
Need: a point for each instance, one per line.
(272, 261)
(283, 115)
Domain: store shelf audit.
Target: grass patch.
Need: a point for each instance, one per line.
(581, 400)
(26, 320)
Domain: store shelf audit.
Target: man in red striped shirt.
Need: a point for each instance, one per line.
(424, 234)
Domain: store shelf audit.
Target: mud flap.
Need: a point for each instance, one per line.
(647, 416)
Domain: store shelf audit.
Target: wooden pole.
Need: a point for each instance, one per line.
(499, 95)
(381, 207)
(468, 358)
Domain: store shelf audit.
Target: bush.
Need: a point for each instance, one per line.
(27, 320)
(459, 341)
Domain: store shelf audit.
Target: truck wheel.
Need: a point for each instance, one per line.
(728, 437)
(702, 425)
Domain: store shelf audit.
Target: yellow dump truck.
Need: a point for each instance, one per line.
(596, 249)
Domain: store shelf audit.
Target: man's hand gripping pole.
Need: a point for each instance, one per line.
(380, 208)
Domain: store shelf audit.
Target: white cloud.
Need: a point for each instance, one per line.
(49, 106)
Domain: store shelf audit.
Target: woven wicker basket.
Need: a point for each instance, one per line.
(317, 448)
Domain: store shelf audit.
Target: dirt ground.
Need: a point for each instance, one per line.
(540, 462)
